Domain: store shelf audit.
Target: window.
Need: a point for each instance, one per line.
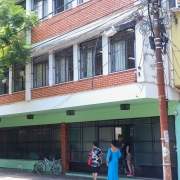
(41, 8)
(91, 63)
(122, 51)
(22, 3)
(33, 142)
(64, 65)
(172, 4)
(61, 5)
(19, 77)
(40, 71)
(82, 1)
(4, 83)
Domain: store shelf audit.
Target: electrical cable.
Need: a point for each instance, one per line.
(55, 38)
(66, 16)
(150, 21)
(173, 66)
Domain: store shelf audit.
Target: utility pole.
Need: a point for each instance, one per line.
(156, 4)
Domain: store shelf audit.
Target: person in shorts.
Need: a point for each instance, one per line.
(96, 154)
(129, 158)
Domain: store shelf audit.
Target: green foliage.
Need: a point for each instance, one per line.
(14, 23)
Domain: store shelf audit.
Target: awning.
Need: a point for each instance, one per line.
(83, 33)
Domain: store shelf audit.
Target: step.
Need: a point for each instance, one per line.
(85, 175)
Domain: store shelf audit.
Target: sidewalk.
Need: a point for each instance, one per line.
(15, 174)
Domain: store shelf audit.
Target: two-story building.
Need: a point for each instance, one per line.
(92, 76)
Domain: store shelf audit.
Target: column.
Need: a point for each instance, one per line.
(10, 81)
(51, 69)
(74, 3)
(75, 62)
(29, 81)
(139, 58)
(28, 65)
(105, 54)
(28, 5)
(64, 147)
(50, 8)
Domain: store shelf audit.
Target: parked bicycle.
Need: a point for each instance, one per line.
(55, 166)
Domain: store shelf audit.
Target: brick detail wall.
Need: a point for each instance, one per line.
(77, 17)
(100, 82)
(12, 98)
(64, 147)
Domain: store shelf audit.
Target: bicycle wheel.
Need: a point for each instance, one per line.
(57, 167)
(41, 167)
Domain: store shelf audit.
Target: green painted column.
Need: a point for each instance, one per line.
(177, 124)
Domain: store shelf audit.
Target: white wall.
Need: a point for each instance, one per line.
(108, 95)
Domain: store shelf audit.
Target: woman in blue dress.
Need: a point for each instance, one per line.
(112, 161)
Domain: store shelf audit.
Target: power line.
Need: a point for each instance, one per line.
(173, 66)
(63, 17)
(66, 33)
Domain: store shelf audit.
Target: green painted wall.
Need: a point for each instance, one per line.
(89, 113)
(93, 113)
(18, 164)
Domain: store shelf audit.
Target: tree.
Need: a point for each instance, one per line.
(14, 24)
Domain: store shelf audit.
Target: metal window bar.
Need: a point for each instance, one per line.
(87, 50)
(18, 81)
(33, 142)
(64, 65)
(122, 51)
(40, 71)
(22, 3)
(61, 5)
(82, 1)
(41, 8)
(4, 87)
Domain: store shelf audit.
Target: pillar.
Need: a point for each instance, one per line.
(64, 147)
(51, 69)
(50, 8)
(75, 62)
(10, 81)
(139, 58)
(29, 80)
(28, 65)
(177, 127)
(74, 3)
(105, 54)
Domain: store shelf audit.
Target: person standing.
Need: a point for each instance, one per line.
(122, 146)
(129, 158)
(96, 154)
(112, 161)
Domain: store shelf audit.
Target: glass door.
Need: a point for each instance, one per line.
(106, 135)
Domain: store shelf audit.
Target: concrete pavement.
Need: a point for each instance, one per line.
(15, 174)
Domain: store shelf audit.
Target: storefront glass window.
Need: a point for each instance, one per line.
(33, 142)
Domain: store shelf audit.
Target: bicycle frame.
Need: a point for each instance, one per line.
(54, 166)
(47, 162)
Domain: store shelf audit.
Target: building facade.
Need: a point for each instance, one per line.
(92, 76)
